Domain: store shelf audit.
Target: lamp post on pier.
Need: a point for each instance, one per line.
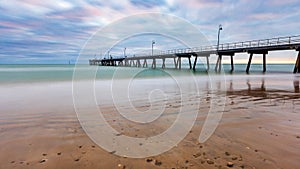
(125, 52)
(218, 65)
(220, 28)
(153, 42)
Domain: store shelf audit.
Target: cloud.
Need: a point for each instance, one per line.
(59, 28)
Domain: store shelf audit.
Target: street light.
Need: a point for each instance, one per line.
(219, 56)
(125, 52)
(153, 42)
(220, 28)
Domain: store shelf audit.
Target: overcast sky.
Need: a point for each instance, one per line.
(54, 31)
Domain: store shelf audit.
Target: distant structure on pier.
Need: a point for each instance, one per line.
(262, 47)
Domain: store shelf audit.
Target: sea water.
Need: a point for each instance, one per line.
(51, 73)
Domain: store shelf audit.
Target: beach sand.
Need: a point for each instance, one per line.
(260, 128)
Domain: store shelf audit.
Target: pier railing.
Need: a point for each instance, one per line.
(235, 45)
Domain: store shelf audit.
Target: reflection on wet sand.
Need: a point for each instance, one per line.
(296, 86)
(264, 91)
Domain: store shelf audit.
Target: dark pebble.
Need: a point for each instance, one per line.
(230, 164)
(234, 158)
(43, 160)
(158, 163)
(149, 160)
(209, 161)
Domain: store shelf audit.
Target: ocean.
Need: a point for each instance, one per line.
(24, 73)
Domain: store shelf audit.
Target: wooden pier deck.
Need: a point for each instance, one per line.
(262, 47)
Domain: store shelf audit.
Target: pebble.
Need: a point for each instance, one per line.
(227, 153)
(59, 153)
(298, 137)
(209, 161)
(149, 160)
(234, 158)
(197, 155)
(230, 164)
(43, 160)
(158, 163)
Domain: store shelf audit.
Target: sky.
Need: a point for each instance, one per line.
(52, 32)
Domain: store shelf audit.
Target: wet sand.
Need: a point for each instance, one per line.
(259, 129)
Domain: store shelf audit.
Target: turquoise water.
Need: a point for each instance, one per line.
(44, 73)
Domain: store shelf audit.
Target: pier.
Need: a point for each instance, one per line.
(255, 47)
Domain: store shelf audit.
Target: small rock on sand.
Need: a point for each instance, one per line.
(209, 161)
(197, 155)
(230, 164)
(149, 160)
(59, 153)
(234, 158)
(227, 153)
(43, 160)
(158, 163)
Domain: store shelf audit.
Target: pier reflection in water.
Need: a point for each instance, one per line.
(261, 89)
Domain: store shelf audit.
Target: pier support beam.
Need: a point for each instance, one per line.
(138, 63)
(207, 62)
(219, 63)
(179, 62)
(190, 63)
(145, 64)
(216, 67)
(297, 63)
(264, 53)
(249, 63)
(232, 66)
(163, 63)
(264, 63)
(153, 64)
(175, 63)
(195, 62)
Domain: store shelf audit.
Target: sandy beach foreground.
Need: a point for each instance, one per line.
(260, 128)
